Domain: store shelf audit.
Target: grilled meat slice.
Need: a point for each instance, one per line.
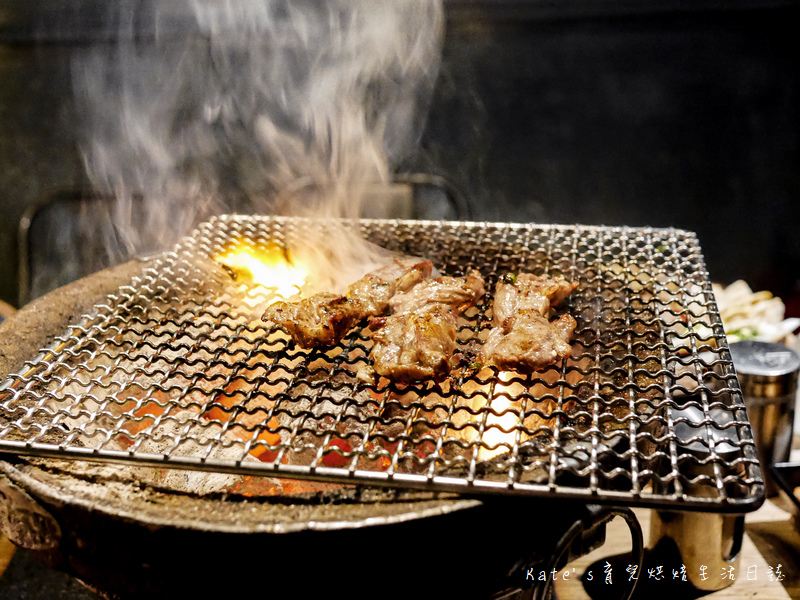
(376, 289)
(410, 347)
(453, 294)
(529, 291)
(524, 339)
(418, 341)
(529, 342)
(321, 320)
(324, 318)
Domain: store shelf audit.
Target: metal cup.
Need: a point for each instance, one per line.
(768, 378)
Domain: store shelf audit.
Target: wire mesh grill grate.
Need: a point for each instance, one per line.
(178, 370)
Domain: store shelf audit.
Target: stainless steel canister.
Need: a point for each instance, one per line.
(768, 377)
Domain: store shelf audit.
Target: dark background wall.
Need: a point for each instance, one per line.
(617, 113)
(642, 114)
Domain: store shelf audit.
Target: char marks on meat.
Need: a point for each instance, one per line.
(524, 339)
(411, 347)
(321, 320)
(419, 339)
(375, 290)
(451, 294)
(531, 342)
(325, 318)
(529, 291)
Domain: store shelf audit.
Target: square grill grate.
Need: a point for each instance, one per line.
(177, 370)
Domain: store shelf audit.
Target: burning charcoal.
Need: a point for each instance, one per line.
(184, 434)
(318, 411)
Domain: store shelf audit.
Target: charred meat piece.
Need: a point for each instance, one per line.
(529, 342)
(529, 291)
(524, 339)
(376, 289)
(418, 341)
(410, 347)
(454, 294)
(323, 319)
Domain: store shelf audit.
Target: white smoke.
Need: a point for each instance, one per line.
(264, 106)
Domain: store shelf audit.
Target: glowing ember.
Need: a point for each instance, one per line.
(494, 435)
(268, 267)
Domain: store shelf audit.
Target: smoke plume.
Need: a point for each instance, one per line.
(263, 106)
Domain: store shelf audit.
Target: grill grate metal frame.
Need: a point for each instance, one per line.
(177, 370)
